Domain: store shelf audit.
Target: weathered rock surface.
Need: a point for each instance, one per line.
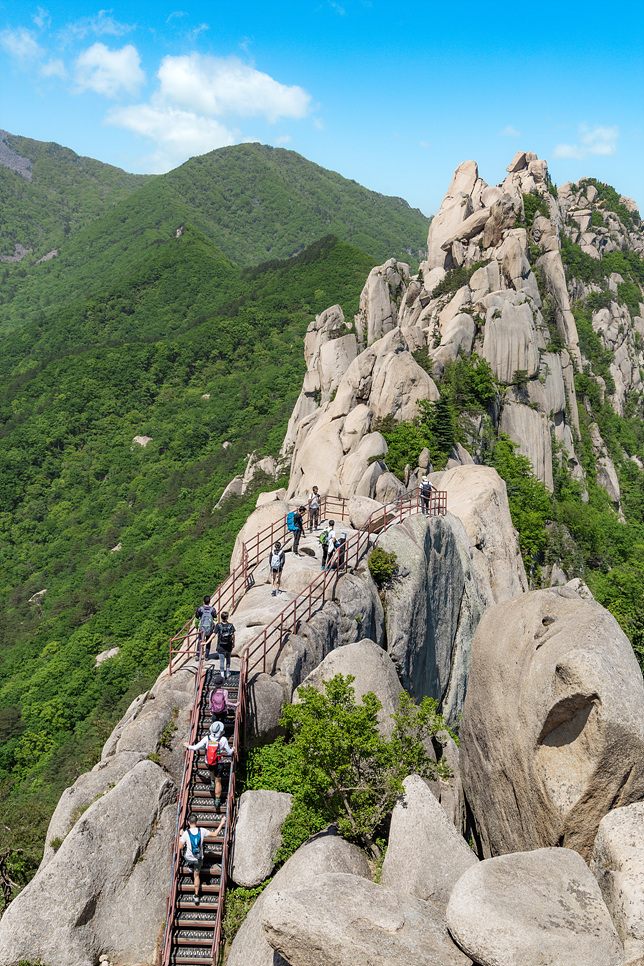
(618, 865)
(258, 835)
(539, 908)
(552, 736)
(433, 608)
(341, 920)
(426, 856)
(372, 669)
(478, 497)
(324, 853)
(105, 889)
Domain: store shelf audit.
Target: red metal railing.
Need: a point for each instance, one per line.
(308, 601)
(240, 720)
(182, 807)
(225, 598)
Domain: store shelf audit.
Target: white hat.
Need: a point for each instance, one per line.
(216, 729)
(424, 479)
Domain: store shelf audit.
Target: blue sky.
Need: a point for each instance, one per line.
(391, 95)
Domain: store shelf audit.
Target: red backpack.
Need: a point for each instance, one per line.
(212, 752)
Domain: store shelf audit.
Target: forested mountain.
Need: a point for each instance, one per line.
(251, 202)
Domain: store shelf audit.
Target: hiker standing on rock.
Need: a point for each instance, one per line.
(216, 745)
(193, 838)
(298, 522)
(426, 489)
(276, 564)
(314, 510)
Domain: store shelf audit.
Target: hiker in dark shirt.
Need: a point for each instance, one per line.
(426, 489)
(225, 633)
(298, 520)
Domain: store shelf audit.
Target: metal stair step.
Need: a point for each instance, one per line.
(195, 918)
(194, 937)
(209, 903)
(211, 884)
(191, 955)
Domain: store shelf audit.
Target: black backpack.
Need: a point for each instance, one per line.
(226, 632)
(206, 620)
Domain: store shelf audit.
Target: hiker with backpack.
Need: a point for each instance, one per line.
(426, 489)
(193, 838)
(216, 746)
(220, 701)
(314, 510)
(328, 541)
(295, 525)
(224, 631)
(276, 564)
(205, 617)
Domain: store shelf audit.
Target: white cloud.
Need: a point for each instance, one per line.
(317, 123)
(41, 18)
(510, 132)
(54, 68)
(216, 86)
(178, 134)
(100, 25)
(598, 140)
(284, 139)
(21, 44)
(109, 72)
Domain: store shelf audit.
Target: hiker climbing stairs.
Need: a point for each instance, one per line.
(193, 930)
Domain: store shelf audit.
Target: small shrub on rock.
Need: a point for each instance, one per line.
(382, 565)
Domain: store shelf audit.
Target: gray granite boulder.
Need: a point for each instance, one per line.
(258, 835)
(104, 892)
(343, 920)
(324, 853)
(552, 736)
(372, 669)
(540, 908)
(618, 865)
(426, 855)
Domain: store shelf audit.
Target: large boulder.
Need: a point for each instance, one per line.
(539, 908)
(425, 856)
(345, 920)
(478, 497)
(258, 835)
(104, 892)
(326, 852)
(552, 736)
(618, 865)
(432, 608)
(372, 669)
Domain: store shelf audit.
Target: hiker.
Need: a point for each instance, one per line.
(220, 701)
(224, 631)
(328, 541)
(314, 510)
(298, 521)
(426, 489)
(193, 838)
(336, 560)
(276, 563)
(216, 745)
(205, 617)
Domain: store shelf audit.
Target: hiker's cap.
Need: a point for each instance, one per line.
(218, 681)
(216, 729)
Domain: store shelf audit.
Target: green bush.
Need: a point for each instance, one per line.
(382, 565)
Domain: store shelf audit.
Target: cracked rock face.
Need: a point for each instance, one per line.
(552, 736)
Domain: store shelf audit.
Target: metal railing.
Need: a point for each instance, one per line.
(226, 597)
(273, 636)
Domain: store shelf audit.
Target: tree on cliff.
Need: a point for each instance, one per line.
(347, 769)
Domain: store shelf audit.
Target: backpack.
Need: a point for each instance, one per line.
(206, 620)
(324, 537)
(212, 753)
(290, 522)
(219, 701)
(226, 632)
(426, 489)
(195, 842)
(276, 561)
